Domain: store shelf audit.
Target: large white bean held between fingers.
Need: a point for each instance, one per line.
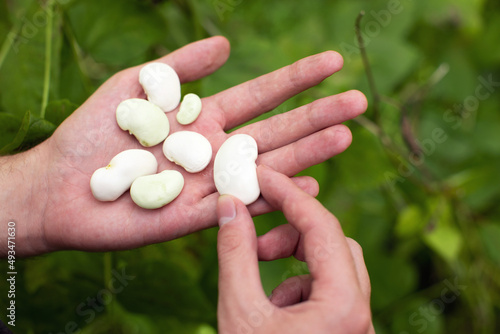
(161, 84)
(155, 191)
(235, 171)
(110, 182)
(146, 121)
(188, 149)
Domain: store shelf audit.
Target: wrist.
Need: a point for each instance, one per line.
(23, 198)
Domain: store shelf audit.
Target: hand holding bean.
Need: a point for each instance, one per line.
(64, 213)
(335, 298)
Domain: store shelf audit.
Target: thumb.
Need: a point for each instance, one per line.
(239, 278)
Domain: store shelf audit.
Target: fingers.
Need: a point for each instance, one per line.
(281, 242)
(239, 278)
(292, 291)
(325, 247)
(284, 241)
(308, 151)
(361, 271)
(250, 99)
(191, 62)
(283, 129)
(306, 183)
(199, 59)
(259, 207)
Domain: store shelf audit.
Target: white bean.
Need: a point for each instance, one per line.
(161, 84)
(235, 171)
(146, 121)
(155, 191)
(189, 110)
(110, 182)
(188, 149)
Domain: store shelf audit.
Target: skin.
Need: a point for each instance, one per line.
(334, 298)
(46, 190)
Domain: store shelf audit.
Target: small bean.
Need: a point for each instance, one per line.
(189, 110)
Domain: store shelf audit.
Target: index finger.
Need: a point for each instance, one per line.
(191, 62)
(255, 97)
(325, 247)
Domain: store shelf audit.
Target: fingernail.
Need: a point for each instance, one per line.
(226, 210)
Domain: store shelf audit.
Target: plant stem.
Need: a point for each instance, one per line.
(48, 56)
(77, 55)
(195, 15)
(108, 264)
(9, 41)
(369, 73)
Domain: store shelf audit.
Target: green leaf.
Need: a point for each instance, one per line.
(461, 70)
(445, 241)
(39, 130)
(364, 164)
(490, 236)
(392, 278)
(16, 141)
(62, 267)
(485, 46)
(9, 127)
(4, 21)
(22, 74)
(478, 186)
(485, 133)
(411, 221)
(32, 131)
(57, 111)
(118, 35)
(18, 9)
(205, 329)
(179, 25)
(413, 317)
(464, 13)
(392, 60)
(117, 319)
(177, 276)
(441, 235)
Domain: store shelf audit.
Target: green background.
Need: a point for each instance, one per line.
(429, 223)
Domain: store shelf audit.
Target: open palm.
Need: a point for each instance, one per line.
(290, 142)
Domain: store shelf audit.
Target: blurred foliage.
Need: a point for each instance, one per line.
(418, 189)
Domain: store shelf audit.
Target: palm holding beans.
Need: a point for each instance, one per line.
(69, 217)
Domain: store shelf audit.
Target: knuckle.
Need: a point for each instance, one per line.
(232, 245)
(257, 90)
(355, 247)
(358, 317)
(362, 320)
(295, 74)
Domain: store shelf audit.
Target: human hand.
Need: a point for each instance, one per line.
(64, 213)
(334, 298)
